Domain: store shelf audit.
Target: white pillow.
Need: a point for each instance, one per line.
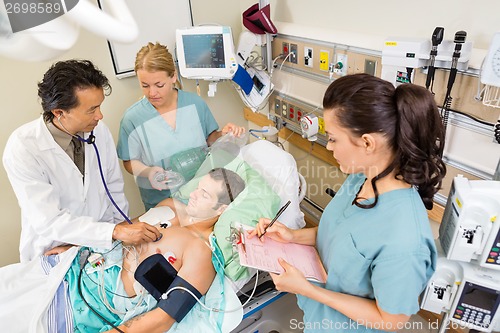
(279, 169)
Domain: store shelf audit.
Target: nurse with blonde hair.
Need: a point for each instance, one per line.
(163, 124)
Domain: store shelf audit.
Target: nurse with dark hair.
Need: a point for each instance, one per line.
(374, 237)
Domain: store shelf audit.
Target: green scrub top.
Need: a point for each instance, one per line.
(385, 253)
(146, 137)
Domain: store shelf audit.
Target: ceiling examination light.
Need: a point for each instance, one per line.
(48, 30)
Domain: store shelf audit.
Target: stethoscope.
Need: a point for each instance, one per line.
(91, 141)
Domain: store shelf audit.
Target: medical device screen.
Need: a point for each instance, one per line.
(258, 83)
(204, 51)
(482, 298)
(477, 305)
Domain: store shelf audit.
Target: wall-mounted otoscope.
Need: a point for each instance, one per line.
(437, 38)
(459, 40)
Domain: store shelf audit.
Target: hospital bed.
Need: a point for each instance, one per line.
(279, 170)
(26, 291)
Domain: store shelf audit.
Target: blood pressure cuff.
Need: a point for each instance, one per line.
(156, 275)
(178, 302)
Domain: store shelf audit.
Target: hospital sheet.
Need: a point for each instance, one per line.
(26, 293)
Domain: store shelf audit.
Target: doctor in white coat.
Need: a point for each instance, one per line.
(60, 202)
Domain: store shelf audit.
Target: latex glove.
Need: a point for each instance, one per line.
(236, 130)
(153, 173)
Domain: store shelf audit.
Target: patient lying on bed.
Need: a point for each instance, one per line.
(33, 299)
(185, 244)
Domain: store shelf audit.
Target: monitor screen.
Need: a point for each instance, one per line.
(206, 52)
(480, 297)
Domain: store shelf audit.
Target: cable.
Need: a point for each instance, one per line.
(106, 186)
(251, 131)
(274, 64)
(103, 254)
(459, 40)
(484, 122)
(497, 131)
(165, 296)
(284, 60)
(247, 102)
(255, 61)
(109, 291)
(102, 293)
(85, 301)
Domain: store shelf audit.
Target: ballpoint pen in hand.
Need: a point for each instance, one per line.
(282, 209)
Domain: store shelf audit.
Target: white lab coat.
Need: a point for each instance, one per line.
(57, 207)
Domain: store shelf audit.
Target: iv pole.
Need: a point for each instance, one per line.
(266, 50)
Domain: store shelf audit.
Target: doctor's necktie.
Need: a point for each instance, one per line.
(78, 155)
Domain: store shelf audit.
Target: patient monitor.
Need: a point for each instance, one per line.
(465, 285)
(468, 294)
(206, 52)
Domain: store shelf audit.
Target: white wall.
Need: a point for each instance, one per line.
(395, 17)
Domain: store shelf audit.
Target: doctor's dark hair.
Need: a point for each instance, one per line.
(59, 85)
(232, 184)
(407, 116)
(156, 58)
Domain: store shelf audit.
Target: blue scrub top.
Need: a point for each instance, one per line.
(385, 253)
(146, 136)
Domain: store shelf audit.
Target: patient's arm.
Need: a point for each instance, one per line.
(58, 250)
(196, 269)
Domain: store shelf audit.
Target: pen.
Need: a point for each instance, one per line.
(242, 240)
(282, 209)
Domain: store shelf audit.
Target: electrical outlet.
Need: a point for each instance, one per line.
(299, 115)
(324, 61)
(308, 57)
(291, 112)
(293, 53)
(284, 110)
(340, 66)
(285, 49)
